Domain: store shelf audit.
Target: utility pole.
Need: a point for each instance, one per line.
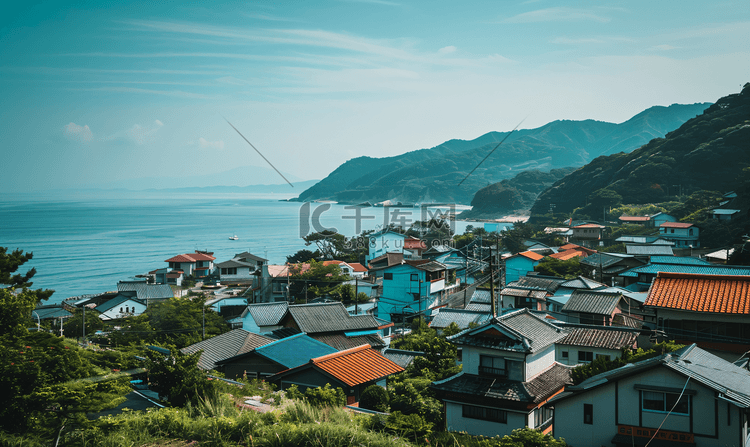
(492, 287)
(356, 301)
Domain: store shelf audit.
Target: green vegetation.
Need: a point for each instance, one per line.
(562, 269)
(601, 364)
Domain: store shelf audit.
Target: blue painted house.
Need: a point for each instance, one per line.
(520, 264)
(413, 287)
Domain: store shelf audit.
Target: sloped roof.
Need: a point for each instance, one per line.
(479, 307)
(462, 318)
(341, 342)
(294, 351)
(432, 266)
(604, 259)
(676, 225)
(634, 218)
(248, 255)
(649, 250)
(530, 255)
(682, 260)
(47, 312)
(597, 337)
(568, 254)
(592, 302)
(519, 331)
(116, 301)
(357, 365)
(235, 263)
(582, 282)
(589, 226)
(701, 293)
(537, 283)
(534, 391)
(191, 257)
(387, 259)
(146, 291)
(481, 296)
(357, 267)
(708, 269)
(268, 314)
(224, 346)
(328, 317)
(524, 293)
(400, 357)
(727, 379)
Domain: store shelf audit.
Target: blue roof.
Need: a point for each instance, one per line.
(357, 333)
(683, 260)
(693, 269)
(294, 351)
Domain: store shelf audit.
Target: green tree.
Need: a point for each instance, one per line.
(303, 255)
(176, 376)
(568, 269)
(375, 397)
(317, 280)
(73, 327)
(16, 307)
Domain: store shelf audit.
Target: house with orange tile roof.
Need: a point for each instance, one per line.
(200, 264)
(588, 235)
(710, 310)
(354, 269)
(352, 370)
(683, 234)
(520, 264)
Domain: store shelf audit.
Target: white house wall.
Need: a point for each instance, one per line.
(572, 351)
(243, 274)
(471, 357)
(455, 421)
(538, 362)
(114, 313)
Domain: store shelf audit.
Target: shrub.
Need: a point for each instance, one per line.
(374, 397)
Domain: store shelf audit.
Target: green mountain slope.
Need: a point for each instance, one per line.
(707, 152)
(434, 174)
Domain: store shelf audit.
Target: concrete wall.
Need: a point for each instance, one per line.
(538, 362)
(518, 266)
(573, 353)
(115, 313)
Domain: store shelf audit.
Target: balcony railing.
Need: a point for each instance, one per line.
(490, 371)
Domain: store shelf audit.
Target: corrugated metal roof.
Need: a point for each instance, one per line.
(676, 225)
(462, 318)
(294, 351)
(224, 346)
(524, 293)
(268, 314)
(329, 317)
(649, 250)
(342, 342)
(682, 260)
(400, 357)
(146, 291)
(48, 312)
(600, 338)
(604, 259)
(701, 293)
(357, 365)
(536, 283)
(592, 302)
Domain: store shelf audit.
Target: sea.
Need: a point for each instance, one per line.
(87, 243)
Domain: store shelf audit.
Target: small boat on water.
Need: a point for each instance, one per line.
(233, 238)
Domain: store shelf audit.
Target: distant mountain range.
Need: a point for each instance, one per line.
(708, 152)
(241, 176)
(433, 175)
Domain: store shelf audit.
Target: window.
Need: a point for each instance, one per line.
(588, 414)
(415, 277)
(121, 310)
(542, 416)
(564, 355)
(585, 356)
(486, 414)
(494, 366)
(663, 402)
(388, 276)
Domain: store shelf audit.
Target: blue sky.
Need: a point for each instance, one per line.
(92, 94)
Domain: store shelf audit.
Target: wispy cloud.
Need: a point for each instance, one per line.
(557, 14)
(141, 134)
(205, 144)
(663, 47)
(447, 50)
(75, 132)
(173, 93)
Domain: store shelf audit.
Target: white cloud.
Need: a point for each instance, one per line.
(448, 49)
(140, 134)
(558, 14)
(82, 134)
(202, 142)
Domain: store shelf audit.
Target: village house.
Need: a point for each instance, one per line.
(352, 370)
(261, 318)
(711, 310)
(509, 372)
(683, 234)
(641, 277)
(199, 264)
(226, 345)
(520, 264)
(241, 268)
(444, 317)
(586, 344)
(123, 305)
(389, 241)
(687, 397)
(605, 267)
(588, 235)
(597, 307)
(270, 358)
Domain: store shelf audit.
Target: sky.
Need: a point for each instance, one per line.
(96, 92)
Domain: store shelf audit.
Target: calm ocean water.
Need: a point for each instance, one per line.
(87, 245)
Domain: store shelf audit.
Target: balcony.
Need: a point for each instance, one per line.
(495, 372)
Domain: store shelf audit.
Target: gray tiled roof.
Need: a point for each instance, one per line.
(691, 361)
(329, 317)
(481, 296)
(582, 283)
(479, 307)
(229, 344)
(599, 338)
(268, 314)
(524, 293)
(400, 357)
(247, 255)
(649, 250)
(341, 342)
(146, 291)
(234, 263)
(526, 333)
(592, 302)
(462, 318)
(603, 259)
(534, 391)
(531, 282)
